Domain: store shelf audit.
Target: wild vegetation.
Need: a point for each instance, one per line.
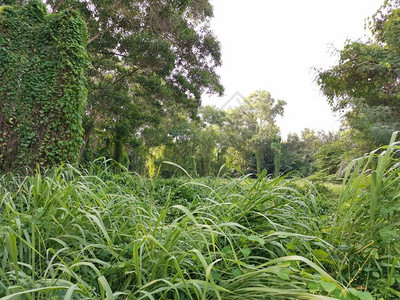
(116, 184)
(78, 234)
(146, 64)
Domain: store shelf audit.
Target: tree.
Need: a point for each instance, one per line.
(251, 127)
(193, 144)
(365, 84)
(42, 86)
(330, 158)
(210, 154)
(161, 53)
(298, 152)
(149, 58)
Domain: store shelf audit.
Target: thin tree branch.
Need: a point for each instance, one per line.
(126, 75)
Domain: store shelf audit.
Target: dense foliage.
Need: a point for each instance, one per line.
(95, 234)
(188, 202)
(42, 86)
(150, 59)
(365, 82)
(245, 138)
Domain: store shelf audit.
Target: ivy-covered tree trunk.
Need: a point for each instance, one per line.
(42, 86)
(277, 150)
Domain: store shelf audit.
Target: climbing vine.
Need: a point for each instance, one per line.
(42, 85)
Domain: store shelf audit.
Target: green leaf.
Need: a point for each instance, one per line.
(291, 245)
(365, 296)
(313, 286)
(327, 286)
(283, 274)
(320, 254)
(236, 272)
(104, 285)
(246, 251)
(227, 250)
(257, 239)
(215, 275)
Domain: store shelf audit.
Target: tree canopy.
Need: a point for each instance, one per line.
(365, 84)
(149, 59)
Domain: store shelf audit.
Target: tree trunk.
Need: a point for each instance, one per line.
(259, 160)
(277, 164)
(118, 150)
(86, 137)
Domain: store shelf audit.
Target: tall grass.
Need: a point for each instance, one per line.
(95, 234)
(70, 234)
(367, 222)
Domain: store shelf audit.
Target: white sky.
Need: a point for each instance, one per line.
(274, 44)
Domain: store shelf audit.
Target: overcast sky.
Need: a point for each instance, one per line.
(274, 44)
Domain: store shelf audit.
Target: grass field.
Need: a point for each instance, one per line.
(95, 233)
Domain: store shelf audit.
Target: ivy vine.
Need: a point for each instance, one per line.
(42, 85)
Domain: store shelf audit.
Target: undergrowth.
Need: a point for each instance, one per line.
(97, 234)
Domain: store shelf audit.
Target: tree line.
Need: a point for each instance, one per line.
(235, 141)
(148, 64)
